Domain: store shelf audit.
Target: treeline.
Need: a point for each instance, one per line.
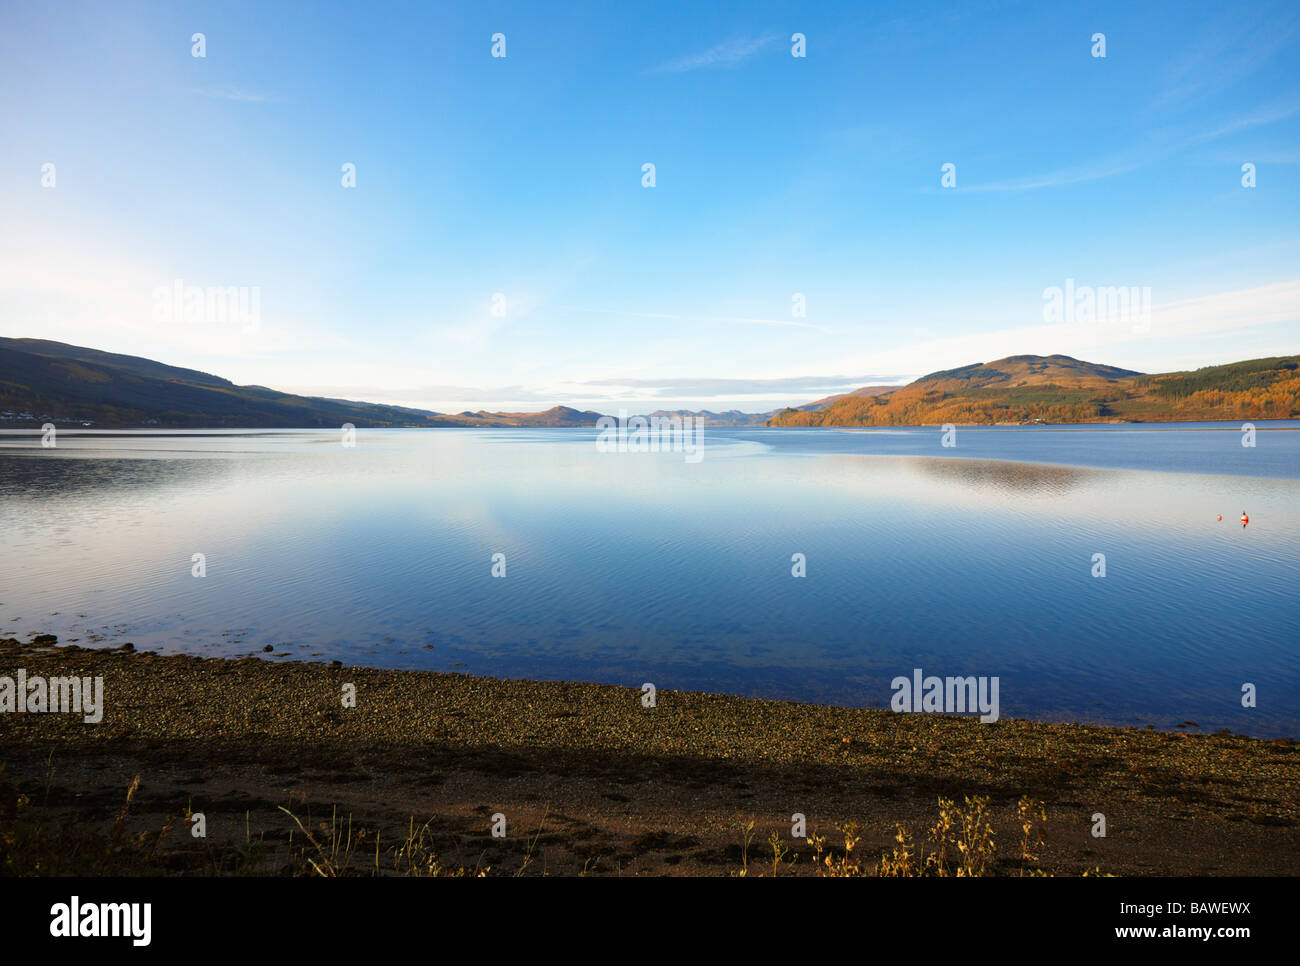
(1238, 377)
(1278, 400)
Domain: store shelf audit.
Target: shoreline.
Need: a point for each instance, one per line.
(70, 638)
(592, 782)
(75, 427)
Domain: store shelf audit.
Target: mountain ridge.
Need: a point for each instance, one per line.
(1061, 389)
(41, 379)
(76, 384)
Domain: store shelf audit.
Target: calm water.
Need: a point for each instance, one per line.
(632, 567)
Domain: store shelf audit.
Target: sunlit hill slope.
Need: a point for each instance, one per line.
(1059, 389)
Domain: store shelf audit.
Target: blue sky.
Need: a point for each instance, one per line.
(522, 176)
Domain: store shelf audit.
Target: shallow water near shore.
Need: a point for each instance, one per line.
(627, 568)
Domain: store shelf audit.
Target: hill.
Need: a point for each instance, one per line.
(1060, 389)
(43, 380)
(735, 418)
(555, 416)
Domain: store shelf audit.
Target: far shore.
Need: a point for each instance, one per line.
(591, 782)
(76, 428)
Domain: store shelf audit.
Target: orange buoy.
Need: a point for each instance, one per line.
(1220, 517)
(1244, 519)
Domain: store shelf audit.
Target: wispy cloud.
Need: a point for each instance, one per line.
(1173, 323)
(1268, 157)
(1176, 322)
(1230, 50)
(1093, 171)
(756, 394)
(230, 94)
(468, 395)
(731, 53)
(726, 319)
(718, 388)
(1276, 110)
(1158, 149)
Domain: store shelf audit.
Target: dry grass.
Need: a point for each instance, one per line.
(35, 845)
(332, 847)
(961, 844)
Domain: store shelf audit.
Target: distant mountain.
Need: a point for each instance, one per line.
(735, 418)
(732, 418)
(1060, 389)
(42, 380)
(555, 416)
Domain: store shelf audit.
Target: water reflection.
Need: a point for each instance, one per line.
(32, 479)
(1027, 478)
(628, 568)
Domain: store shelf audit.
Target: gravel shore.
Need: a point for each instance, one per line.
(590, 780)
